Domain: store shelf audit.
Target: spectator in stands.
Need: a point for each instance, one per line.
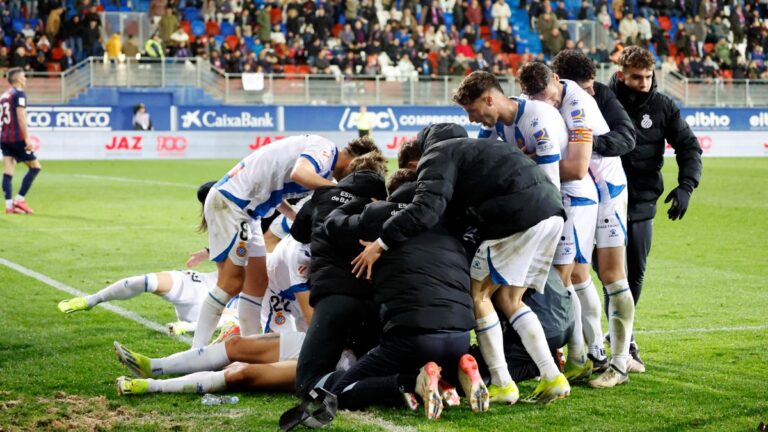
(628, 30)
(264, 23)
(618, 10)
(130, 49)
(5, 59)
(710, 68)
(27, 31)
(508, 41)
(38, 63)
(554, 42)
(723, 52)
(474, 15)
(444, 62)
(464, 49)
(19, 59)
(691, 47)
(114, 46)
(68, 60)
(501, 14)
(644, 33)
(408, 22)
(433, 15)
(153, 47)
(405, 69)
(479, 64)
(53, 23)
(560, 11)
(141, 120)
(603, 29)
(168, 24)
(43, 44)
(500, 65)
(224, 11)
(72, 33)
(586, 11)
(178, 38)
(545, 23)
(600, 54)
(91, 39)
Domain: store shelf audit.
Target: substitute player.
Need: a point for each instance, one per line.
(581, 113)
(539, 130)
(255, 188)
(15, 142)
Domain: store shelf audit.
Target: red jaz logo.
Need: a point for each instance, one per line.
(131, 143)
(262, 141)
(398, 141)
(168, 144)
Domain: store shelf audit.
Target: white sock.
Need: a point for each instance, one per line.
(621, 312)
(249, 311)
(208, 358)
(576, 351)
(124, 289)
(210, 312)
(527, 325)
(19, 198)
(590, 317)
(9, 204)
(491, 341)
(200, 382)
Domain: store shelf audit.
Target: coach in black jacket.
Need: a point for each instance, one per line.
(421, 289)
(657, 119)
(343, 307)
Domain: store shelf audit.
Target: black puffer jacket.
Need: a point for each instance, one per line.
(421, 285)
(330, 268)
(621, 139)
(657, 120)
(483, 182)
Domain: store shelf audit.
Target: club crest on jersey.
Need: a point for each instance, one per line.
(534, 122)
(541, 135)
(646, 122)
(279, 318)
(574, 102)
(241, 250)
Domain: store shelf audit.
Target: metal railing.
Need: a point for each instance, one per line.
(59, 88)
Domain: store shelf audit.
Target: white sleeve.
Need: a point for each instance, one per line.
(322, 154)
(548, 136)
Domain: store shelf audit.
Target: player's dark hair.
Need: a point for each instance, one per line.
(474, 85)
(534, 77)
(574, 65)
(13, 75)
(362, 145)
(202, 193)
(399, 178)
(409, 152)
(636, 57)
(372, 161)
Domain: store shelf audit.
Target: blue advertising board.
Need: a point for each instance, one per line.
(227, 118)
(89, 118)
(726, 119)
(382, 118)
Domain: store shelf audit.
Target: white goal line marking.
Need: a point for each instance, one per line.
(704, 330)
(133, 316)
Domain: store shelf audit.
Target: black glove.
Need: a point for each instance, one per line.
(680, 196)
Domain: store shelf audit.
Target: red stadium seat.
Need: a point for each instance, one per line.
(495, 46)
(212, 28)
(232, 42)
(433, 59)
(336, 31)
(514, 62)
(485, 32)
(708, 48)
(187, 27)
(665, 23)
(57, 54)
(303, 69)
(53, 67)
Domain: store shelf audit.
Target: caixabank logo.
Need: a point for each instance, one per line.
(223, 118)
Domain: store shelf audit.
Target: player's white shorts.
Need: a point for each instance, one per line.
(232, 233)
(578, 238)
(522, 259)
(280, 226)
(187, 294)
(611, 228)
(290, 345)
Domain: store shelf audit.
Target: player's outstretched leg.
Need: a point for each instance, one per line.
(473, 385)
(123, 289)
(131, 386)
(427, 388)
(140, 365)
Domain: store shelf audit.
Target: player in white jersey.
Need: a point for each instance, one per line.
(185, 290)
(256, 187)
(540, 132)
(287, 295)
(281, 226)
(581, 111)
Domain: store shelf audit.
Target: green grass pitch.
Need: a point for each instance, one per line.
(97, 222)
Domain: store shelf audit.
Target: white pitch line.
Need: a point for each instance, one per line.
(133, 316)
(704, 330)
(373, 420)
(131, 180)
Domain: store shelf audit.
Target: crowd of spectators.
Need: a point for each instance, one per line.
(401, 38)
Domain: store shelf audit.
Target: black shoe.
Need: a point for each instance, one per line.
(598, 365)
(634, 352)
(315, 411)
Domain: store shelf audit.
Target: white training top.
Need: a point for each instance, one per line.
(537, 127)
(258, 183)
(288, 272)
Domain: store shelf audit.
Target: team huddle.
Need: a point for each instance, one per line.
(364, 291)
